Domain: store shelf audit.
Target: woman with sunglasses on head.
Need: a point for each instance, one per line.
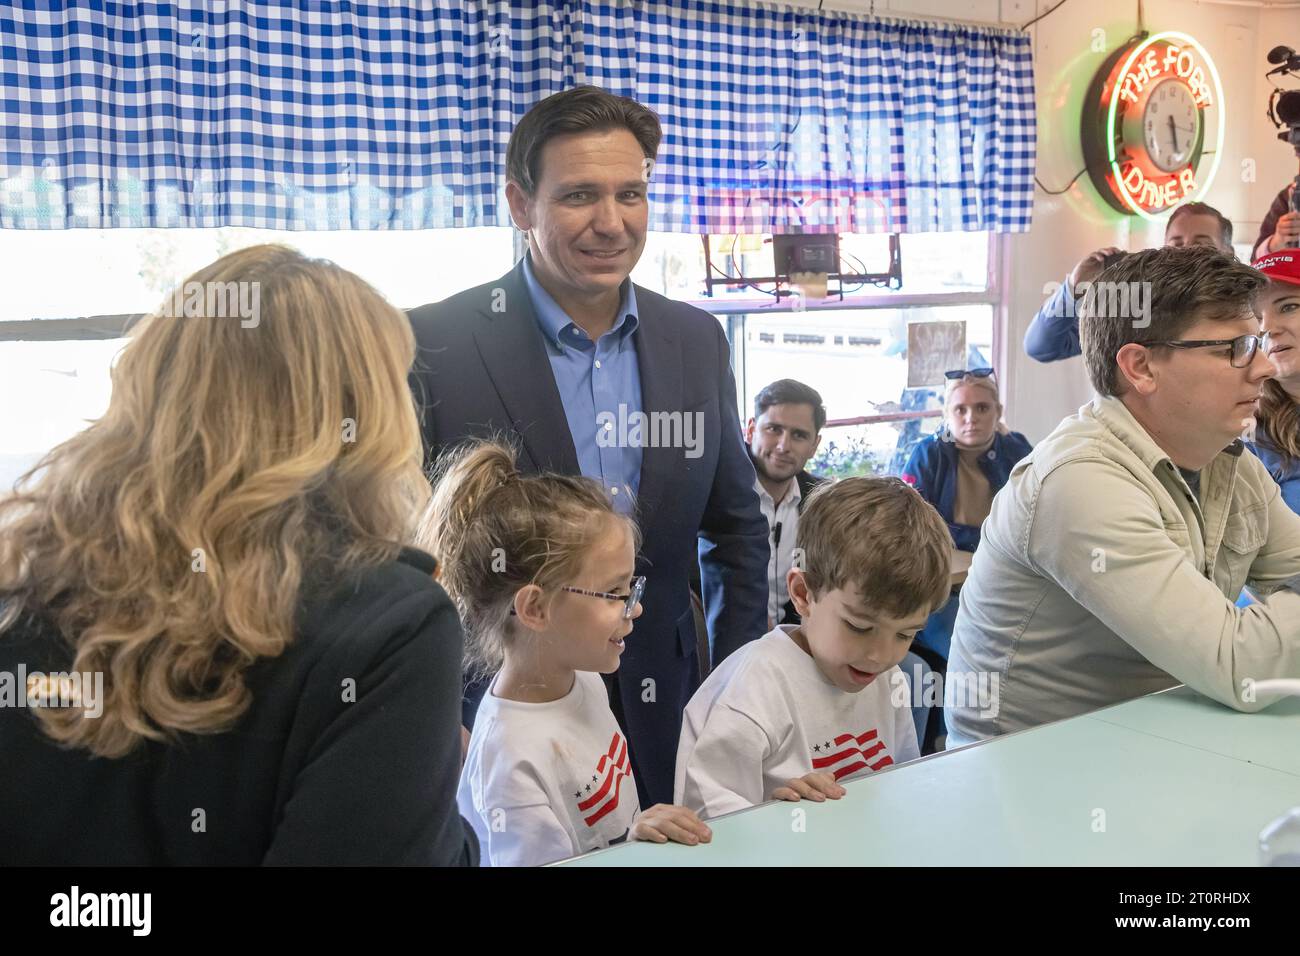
(1277, 433)
(962, 466)
(959, 469)
(542, 569)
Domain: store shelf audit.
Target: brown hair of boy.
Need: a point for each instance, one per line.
(880, 537)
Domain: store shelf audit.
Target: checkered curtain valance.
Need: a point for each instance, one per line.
(395, 115)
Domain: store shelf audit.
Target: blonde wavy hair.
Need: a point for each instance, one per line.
(170, 542)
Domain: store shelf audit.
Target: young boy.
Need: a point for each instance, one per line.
(807, 706)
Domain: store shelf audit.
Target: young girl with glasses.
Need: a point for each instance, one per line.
(542, 570)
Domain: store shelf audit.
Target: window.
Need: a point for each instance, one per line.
(86, 272)
(857, 360)
(854, 352)
(49, 391)
(933, 264)
(69, 274)
(856, 357)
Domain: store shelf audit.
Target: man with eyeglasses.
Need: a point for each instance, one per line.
(1110, 562)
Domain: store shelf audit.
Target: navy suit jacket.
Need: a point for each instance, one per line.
(482, 369)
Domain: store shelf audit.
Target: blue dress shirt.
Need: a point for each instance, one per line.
(600, 388)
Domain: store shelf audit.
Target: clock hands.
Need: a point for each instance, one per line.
(1173, 133)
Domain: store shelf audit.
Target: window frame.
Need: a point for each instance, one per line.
(84, 328)
(733, 314)
(118, 325)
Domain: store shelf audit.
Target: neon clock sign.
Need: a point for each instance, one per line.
(1144, 124)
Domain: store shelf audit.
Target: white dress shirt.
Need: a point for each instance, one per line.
(780, 553)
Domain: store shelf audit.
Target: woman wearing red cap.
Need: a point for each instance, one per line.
(1277, 438)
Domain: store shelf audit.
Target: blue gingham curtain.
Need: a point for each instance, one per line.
(786, 119)
(332, 114)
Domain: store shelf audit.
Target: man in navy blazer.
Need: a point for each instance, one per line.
(593, 375)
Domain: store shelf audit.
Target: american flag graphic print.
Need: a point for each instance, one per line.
(599, 797)
(848, 753)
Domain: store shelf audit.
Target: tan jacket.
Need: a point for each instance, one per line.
(1101, 577)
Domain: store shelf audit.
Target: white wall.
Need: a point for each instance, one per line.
(1068, 226)
(1065, 227)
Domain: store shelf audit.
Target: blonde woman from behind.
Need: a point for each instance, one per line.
(258, 670)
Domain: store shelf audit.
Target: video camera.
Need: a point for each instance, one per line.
(1284, 105)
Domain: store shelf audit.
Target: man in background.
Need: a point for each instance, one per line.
(1054, 333)
(782, 436)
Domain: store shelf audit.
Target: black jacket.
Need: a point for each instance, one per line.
(1280, 207)
(806, 484)
(305, 777)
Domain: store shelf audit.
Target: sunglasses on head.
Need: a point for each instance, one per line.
(963, 372)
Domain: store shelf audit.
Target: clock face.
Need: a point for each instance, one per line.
(1171, 125)
(1144, 124)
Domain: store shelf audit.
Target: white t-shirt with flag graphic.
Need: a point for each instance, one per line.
(768, 715)
(543, 782)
